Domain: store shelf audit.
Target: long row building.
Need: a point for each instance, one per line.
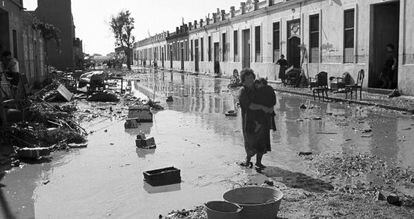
(335, 36)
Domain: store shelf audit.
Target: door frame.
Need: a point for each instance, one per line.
(246, 45)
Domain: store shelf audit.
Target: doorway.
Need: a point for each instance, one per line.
(162, 57)
(171, 57)
(217, 58)
(182, 55)
(246, 49)
(196, 56)
(384, 31)
(293, 49)
(4, 31)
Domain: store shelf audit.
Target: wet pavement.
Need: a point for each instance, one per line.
(193, 134)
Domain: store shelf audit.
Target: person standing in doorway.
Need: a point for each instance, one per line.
(11, 70)
(389, 71)
(283, 65)
(255, 141)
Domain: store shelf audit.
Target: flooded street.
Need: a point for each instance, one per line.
(193, 134)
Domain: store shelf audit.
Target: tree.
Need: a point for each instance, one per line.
(122, 26)
(49, 32)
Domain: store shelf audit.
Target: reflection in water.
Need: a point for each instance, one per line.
(296, 128)
(161, 189)
(143, 152)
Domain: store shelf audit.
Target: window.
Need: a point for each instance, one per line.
(235, 45)
(257, 48)
(209, 49)
(314, 38)
(191, 51)
(202, 49)
(276, 41)
(224, 47)
(349, 24)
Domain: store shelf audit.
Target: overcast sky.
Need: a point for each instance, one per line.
(91, 17)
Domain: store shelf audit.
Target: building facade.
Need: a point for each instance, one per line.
(60, 15)
(18, 36)
(335, 36)
(151, 50)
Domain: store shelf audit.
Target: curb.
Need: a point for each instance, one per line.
(346, 100)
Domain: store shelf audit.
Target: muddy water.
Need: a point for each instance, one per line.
(192, 134)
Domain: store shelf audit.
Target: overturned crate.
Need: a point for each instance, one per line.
(145, 143)
(164, 176)
(139, 113)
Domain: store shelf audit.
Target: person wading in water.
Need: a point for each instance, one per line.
(256, 141)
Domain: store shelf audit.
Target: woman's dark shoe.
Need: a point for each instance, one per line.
(259, 165)
(246, 164)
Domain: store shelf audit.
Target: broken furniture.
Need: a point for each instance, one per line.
(145, 143)
(357, 86)
(292, 76)
(320, 85)
(164, 176)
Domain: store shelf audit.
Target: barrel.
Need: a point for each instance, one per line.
(257, 202)
(222, 210)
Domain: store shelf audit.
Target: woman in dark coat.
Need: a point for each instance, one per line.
(256, 142)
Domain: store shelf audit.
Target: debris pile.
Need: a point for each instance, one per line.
(196, 213)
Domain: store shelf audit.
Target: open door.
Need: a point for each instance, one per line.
(196, 56)
(293, 49)
(385, 30)
(182, 55)
(246, 49)
(216, 58)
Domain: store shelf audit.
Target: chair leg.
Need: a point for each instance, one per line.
(360, 94)
(313, 94)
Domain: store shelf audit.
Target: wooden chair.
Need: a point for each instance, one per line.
(321, 85)
(358, 85)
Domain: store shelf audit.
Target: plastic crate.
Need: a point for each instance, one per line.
(164, 176)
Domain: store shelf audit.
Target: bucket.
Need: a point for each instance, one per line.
(222, 210)
(257, 202)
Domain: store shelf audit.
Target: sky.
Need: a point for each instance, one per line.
(91, 17)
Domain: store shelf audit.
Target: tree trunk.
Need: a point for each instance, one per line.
(128, 55)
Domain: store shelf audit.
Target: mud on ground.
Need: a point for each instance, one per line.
(336, 186)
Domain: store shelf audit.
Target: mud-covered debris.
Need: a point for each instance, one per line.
(305, 153)
(269, 182)
(367, 130)
(103, 96)
(394, 199)
(366, 136)
(303, 106)
(32, 153)
(74, 145)
(154, 105)
(317, 118)
(170, 99)
(46, 182)
(196, 213)
(231, 113)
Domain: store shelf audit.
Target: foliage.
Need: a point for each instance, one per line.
(122, 25)
(48, 31)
